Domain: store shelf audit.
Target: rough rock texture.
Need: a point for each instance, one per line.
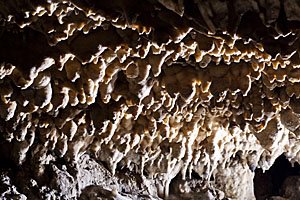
(146, 99)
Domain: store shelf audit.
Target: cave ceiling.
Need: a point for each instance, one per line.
(160, 88)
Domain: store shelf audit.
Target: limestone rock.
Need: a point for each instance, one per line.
(129, 100)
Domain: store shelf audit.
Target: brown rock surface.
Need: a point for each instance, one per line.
(127, 99)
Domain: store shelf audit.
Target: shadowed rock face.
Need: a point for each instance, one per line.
(147, 99)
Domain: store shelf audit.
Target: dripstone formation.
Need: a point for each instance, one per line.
(147, 99)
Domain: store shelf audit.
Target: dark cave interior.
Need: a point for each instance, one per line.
(270, 183)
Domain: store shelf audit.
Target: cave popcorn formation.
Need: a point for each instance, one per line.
(158, 88)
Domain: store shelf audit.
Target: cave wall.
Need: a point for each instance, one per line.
(146, 99)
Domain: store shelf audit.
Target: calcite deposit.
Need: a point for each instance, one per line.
(147, 99)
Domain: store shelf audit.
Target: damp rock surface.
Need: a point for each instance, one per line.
(152, 99)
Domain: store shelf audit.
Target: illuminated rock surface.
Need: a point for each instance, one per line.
(146, 99)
